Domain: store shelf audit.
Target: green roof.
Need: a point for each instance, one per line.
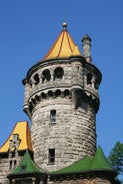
(26, 166)
(98, 162)
(78, 166)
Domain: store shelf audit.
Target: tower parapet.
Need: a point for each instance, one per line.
(61, 99)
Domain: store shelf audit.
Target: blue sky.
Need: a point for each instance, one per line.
(27, 30)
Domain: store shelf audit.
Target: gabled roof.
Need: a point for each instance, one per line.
(26, 166)
(98, 162)
(63, 47)
(23, 132)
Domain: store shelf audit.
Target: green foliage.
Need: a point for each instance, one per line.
(116, 157)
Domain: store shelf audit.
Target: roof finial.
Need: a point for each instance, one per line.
(64, 25)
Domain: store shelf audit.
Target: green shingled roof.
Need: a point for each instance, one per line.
(78, 166)
(98, 162)
(26, 166)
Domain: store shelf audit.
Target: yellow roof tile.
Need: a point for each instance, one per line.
(23, 131)
(63, 47)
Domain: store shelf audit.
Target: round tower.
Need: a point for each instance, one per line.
(61, 100)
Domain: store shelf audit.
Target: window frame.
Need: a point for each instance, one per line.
(53, 116)
(51, 156)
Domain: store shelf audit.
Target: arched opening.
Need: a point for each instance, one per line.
(58, 73)
(66, 93)
(50, 93)
(36, 78)
(37, 98)
(33, 101)
(43, 95)
(58, 93)
(46, 76)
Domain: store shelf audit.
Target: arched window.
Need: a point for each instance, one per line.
(66, 93)
(46, 76)
(58, 92)
(33, 101)
(36, 78)
(37, 98)
(58, 73)
(43, 95)
(50, 93)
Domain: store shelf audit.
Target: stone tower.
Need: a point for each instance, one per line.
(61, 100)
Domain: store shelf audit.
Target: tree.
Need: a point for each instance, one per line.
(116, 157)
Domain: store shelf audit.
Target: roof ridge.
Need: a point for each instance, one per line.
(61, 42)
(50, 50)
(69, 42)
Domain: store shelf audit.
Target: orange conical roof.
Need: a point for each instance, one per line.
(63, 47)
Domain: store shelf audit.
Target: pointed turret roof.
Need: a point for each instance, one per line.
(26, 167)
(100, 162)
(63, 47)
(22, 130)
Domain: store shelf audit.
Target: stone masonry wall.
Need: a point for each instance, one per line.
(82, 181)
(72, 96)
(4, 169)
(72, 136)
